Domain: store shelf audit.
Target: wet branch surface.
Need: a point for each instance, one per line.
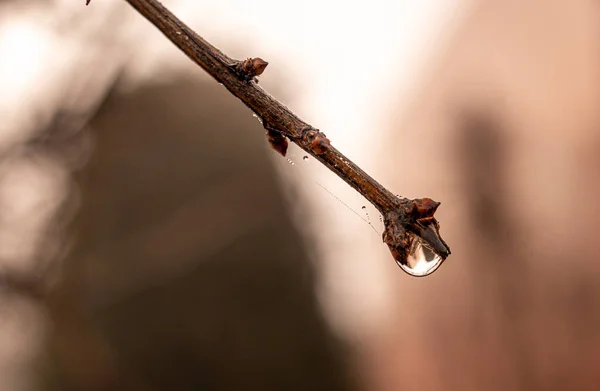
(405, 220)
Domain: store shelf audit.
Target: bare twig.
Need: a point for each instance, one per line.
(406, 221)
(26, 284)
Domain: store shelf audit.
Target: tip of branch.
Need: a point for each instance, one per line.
(413, 237)
(87, 2)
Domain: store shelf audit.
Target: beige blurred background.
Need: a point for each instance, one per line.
(151, 240)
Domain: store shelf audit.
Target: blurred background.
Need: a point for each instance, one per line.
(150, 239)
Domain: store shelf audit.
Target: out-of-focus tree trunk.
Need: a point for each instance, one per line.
(186, 271)
(507, 129)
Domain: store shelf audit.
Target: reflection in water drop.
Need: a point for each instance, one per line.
(257, 117)
(421, 260)
(364, 207)
(305, 158)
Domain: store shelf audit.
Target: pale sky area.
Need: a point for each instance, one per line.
(342, 61)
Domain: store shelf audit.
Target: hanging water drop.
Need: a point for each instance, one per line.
(421, 260)
(364, 207)
(305, 158)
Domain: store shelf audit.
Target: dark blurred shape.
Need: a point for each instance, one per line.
(503, 270)
(186, 271)
(508, 111)
(482, 149)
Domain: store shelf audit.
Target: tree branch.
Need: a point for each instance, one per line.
(26, 284)
(411, 231)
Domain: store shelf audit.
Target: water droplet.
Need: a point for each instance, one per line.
(364, 207)
(291, 162)
(257, 117)
(305, 158)
(421, 260)
(178, 32)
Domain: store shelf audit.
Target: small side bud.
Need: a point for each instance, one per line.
(87, 2)
(321, 144)
(247, 66)
(259, 65)
(317, 141)
(251, 67)
(278, 141)
(422, 208)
